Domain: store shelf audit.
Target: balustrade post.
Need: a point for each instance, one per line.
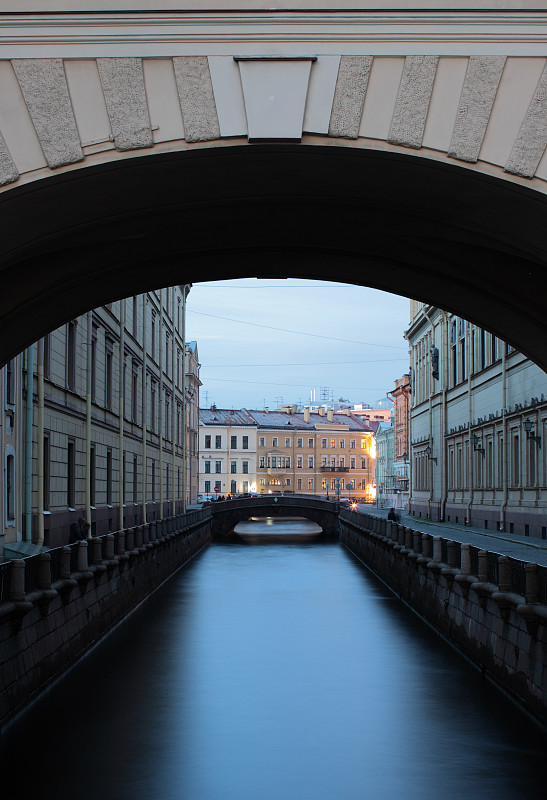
(138, 537)
(120, 543)
(64, 563)
(81, 561)
(505, 583)
(532, 584)
(109, 547)
(483, 566)
(466, 559)
(427, 545)
(437, 549)
(44, 571)
(17, 581)
(96, 551)
(417, 541)
(153, 531)
(451, 553)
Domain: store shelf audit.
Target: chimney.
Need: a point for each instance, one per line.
(330, 415)
(306, 415)
(321, 411)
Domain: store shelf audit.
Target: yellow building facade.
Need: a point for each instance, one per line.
(320, 453)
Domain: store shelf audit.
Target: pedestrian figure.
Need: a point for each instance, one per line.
(78, 531)
(392, 515)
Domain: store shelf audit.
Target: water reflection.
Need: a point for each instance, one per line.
(267, 530)
(275, 673)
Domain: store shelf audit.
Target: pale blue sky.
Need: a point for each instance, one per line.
(261, 342)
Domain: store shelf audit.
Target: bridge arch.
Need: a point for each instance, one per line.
(136, 151)
(324, 513)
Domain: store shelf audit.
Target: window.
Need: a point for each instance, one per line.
(207, 442)
(299, 483)
(109, 477)
(493, 348)
(342, 444)
(262, 441)
(323, 443)
(287, 441)
(323, 461)
(233, 467)
(363, 444)
(363, 462)
(352, 444)
(218, 442)
(299, 462)
(70, 474)
(218, 485)
(135, 479)
(287, 461)
(218, 466)
(233, 487)
(71, 355)
(352, 462)
(310, 442)
(299, 442)
(342, 461)
(153, 336)
(310, 484)
(47, 472)
(10, 487)
(108, 361)
(134, 394)
(92, 476)
(262, 462)
(288, 482)
(515, 459)
(153, 479)
(93, 363)
(333, 442)
(245, 468)
(207, 487)
(135, 316)
(152, 405)
(233, 442)
(274, 441)
(207, 469)
(245, 443)
(47, 357)
(310, 462)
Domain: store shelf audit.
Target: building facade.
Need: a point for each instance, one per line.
(286, 451)
(478, 422)
(227, 465)
(109, 395)
(386, 495)
(401, 410)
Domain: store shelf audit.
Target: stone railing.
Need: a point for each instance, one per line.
(491, 606)
(36, 580)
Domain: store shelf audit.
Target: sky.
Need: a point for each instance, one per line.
(266, 342)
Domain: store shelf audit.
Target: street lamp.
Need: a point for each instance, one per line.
(428, 454)
(530, 434)
(476, 442)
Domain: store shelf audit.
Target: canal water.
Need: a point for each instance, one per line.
(280, 671)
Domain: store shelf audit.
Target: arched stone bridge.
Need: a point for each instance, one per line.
(401, 149)
(227, 513)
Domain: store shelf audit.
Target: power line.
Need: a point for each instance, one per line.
(308, 363)
(297, 333)
(277, 383)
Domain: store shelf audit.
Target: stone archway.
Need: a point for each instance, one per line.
(470, 243)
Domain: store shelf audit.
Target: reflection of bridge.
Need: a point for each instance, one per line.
(227, 513)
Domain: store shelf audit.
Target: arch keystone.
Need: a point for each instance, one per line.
(412, 105)
(275, 90)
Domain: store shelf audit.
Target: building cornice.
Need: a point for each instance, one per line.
(449, 32)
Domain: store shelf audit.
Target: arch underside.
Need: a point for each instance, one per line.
(473, 244)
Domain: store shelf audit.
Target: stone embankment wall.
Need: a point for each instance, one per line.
(492, 607)
(55, 606)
